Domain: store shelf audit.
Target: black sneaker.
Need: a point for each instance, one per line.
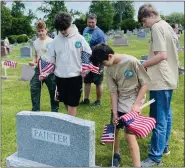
(116, 160)
(166, 151)
(96, 103)
(85, 102)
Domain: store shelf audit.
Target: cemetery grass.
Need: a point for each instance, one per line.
(16, 97)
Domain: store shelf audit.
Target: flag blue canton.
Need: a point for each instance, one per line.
(108, 134)
(85, 57)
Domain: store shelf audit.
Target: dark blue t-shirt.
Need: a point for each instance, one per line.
(94, 36)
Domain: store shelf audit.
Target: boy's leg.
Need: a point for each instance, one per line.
(51, 84)
(134, 149)
(97, 79)
(72, 110)
(160, 110)
(73, 94)
(35, 89)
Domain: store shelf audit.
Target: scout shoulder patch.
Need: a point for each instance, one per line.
(78, 44)
(128, 73)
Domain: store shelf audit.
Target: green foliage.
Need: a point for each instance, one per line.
(18, 9)
(128, 24)
(175, 17)
(22, 38)
(13, 38)
(51, 8)
(6, 20)
(21, 26)
(123, 10)
(81, 23)
(105, 12)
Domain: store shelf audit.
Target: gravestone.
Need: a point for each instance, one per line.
(27, 72)
(129, 33)
(53, 139)
(23, 44)
(3, 51)
(141, 34)
(31, 44)
(120, 41)
(144, 57)
(26, 52)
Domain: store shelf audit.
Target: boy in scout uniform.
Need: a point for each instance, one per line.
(41, 46)
(162, 67)
(127, 81)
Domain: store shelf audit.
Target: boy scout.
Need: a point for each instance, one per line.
(127, 81)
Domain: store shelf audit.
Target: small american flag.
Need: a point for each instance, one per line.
(45, 67)
(86, 65)
(11, 64)
(108, 134)
(140, 125)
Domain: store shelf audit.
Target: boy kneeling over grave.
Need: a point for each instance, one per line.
(127, 81)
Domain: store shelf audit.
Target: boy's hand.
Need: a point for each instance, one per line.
(136, 108)
(115, 119)
(84, 73)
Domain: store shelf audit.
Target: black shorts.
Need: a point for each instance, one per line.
(94, 78)
(69, 90)
(120, 125)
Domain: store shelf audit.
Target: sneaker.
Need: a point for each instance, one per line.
(166, 151)
(116, 160)
(85, 102)
(96, 103)
(150, 163)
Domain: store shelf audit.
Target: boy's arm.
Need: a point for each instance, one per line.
(141, 94)
(143, 80)
(114, 102)
(158, 47)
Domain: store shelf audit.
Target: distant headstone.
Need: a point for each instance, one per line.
(26, 52)
(53, 139)
(3, 51)
(120, 41)
(144, 57)
(31, 44)
(23, 44)
(34, 38)
(27, 72)
(141, 34)
(129, 33)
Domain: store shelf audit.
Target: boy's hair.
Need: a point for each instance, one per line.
(145, 11)
(92, 16)
(174, 26)
(100, 53)
(40, 24)
(62, 21)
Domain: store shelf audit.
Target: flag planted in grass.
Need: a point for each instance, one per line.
(11, 64)
(86, 65)
(140, 125)
(108, 134)
(45, 68)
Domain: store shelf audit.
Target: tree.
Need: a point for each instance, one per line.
(51, 8)
(176, 17)
(6, 20)
(31, 15)
(81, 23)
(123, 10)
(105, 12)
(18, 9)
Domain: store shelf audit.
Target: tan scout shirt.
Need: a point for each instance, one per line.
(164, 75)
(41, 47)
(126, 78)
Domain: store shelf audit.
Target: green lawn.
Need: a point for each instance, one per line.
(16, 97)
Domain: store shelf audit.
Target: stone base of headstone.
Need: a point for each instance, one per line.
(4, 77)
(15, 161)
